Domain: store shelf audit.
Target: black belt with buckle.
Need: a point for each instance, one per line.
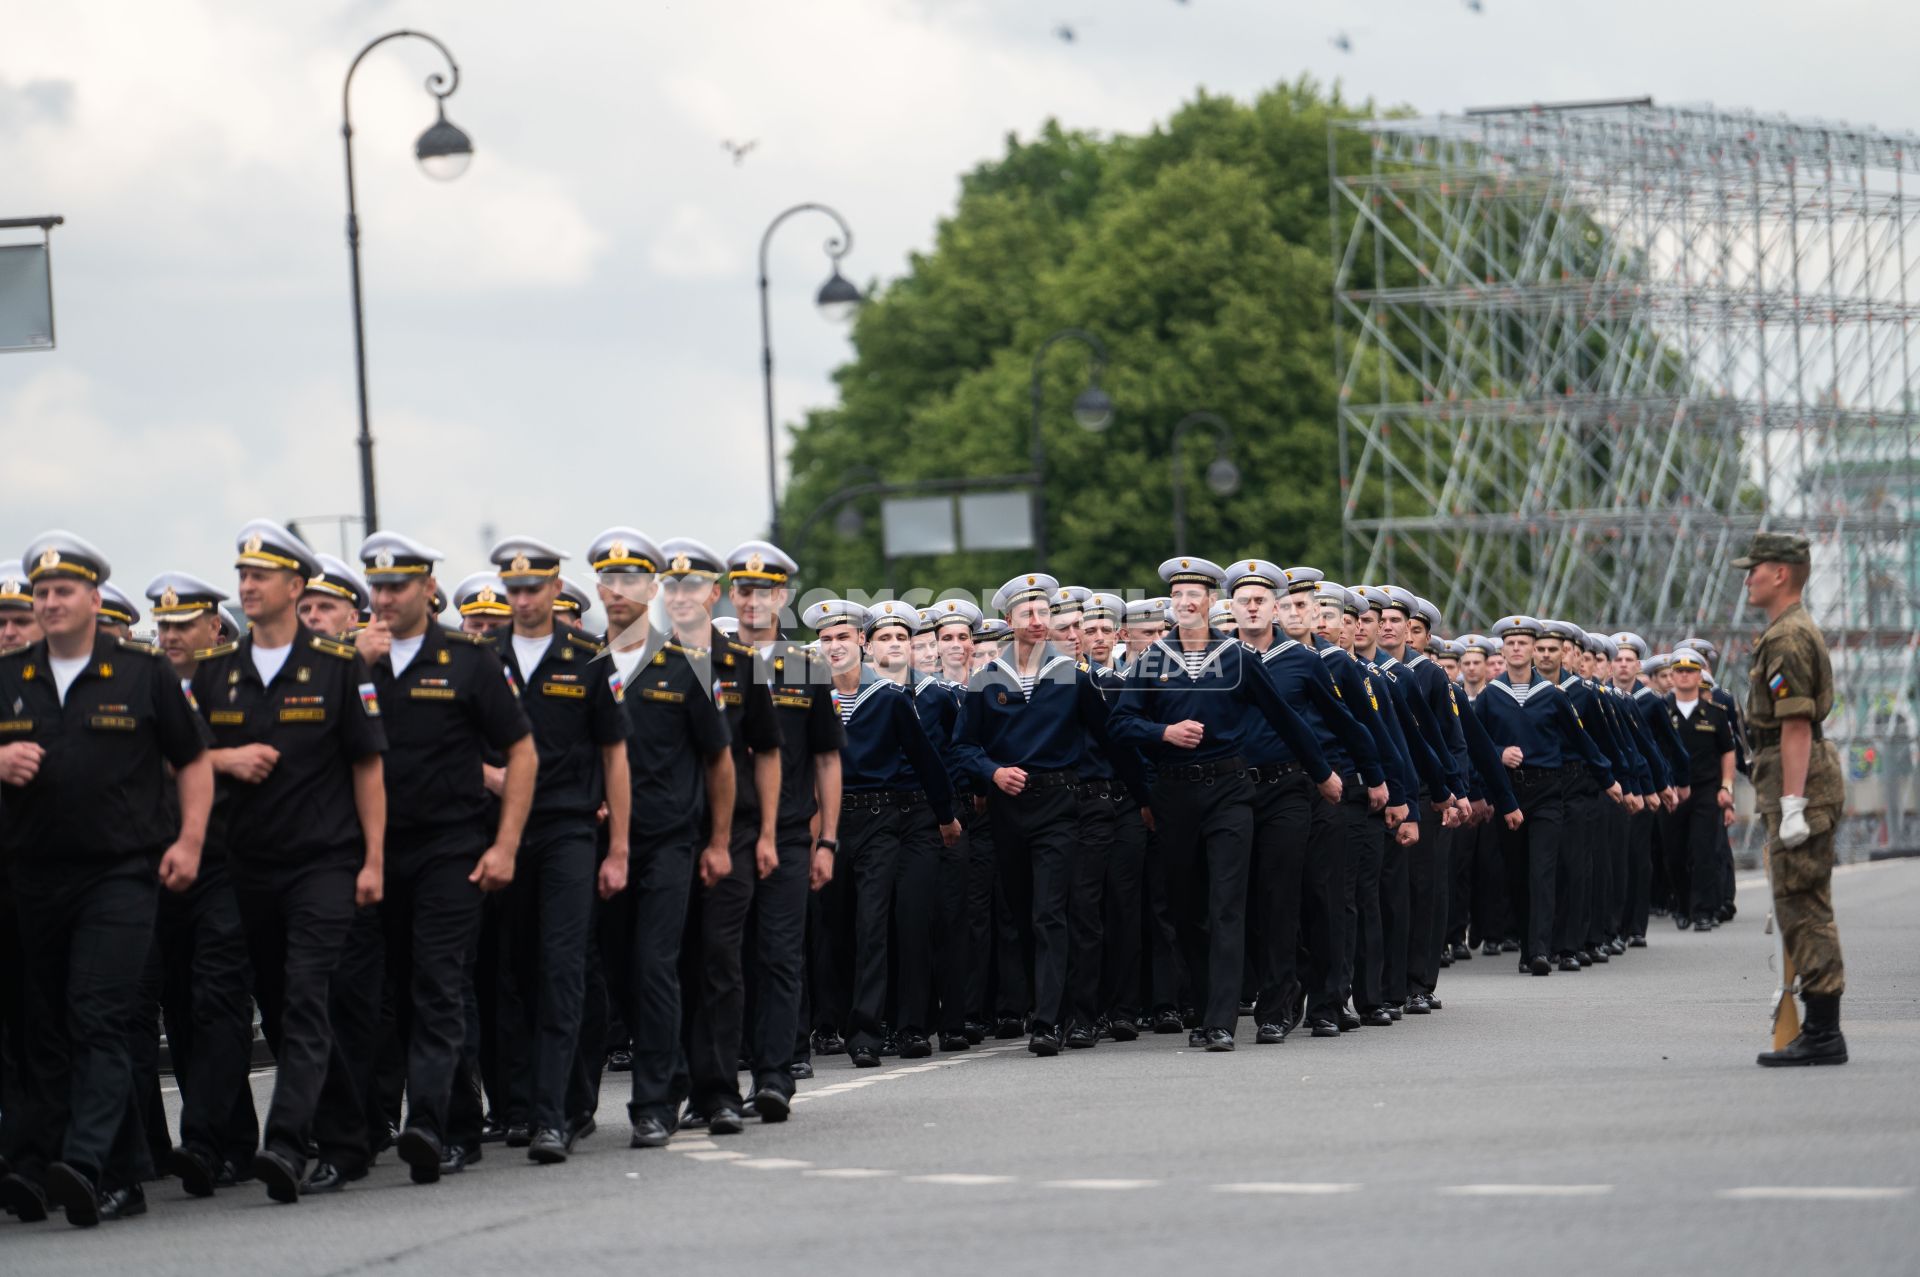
(1051, 780)
(1099, 787)
(1273, 773)
(1205, 773)
(881, 799)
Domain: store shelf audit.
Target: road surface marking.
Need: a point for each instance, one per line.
(1099, 1185)
(1527, 1190)
(959, 1180)
(1810, 1193)
(1304, 1190)
(848, 1172)
(775, 1164)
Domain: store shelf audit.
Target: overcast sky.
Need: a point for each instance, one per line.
(567, 337)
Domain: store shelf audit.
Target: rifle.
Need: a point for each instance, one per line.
(1786, 1013)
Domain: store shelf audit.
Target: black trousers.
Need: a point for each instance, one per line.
(1396, 917)
(1537, 848)
(16, 1080)
(1579, 841)
(1462, 857)
(1206, 832)
(1636, 902)
(1086, 908)
(549, 913)
(830, 947)
(297, 918)
(1035, 843)
(1491, 916)
(1428, 873)
(776, 943)
(713, 979)
(206, 992)
(85, 931)
(1363, 835)
(978, 905)
(1283, 862)
(1123, 903)
(1337, 832)
(893, 853)
(1697, 826)
(1603, 905)
(647, 924)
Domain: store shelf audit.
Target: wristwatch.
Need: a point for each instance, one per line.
(831, 844)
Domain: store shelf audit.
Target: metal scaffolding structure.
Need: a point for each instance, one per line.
(1585, 350)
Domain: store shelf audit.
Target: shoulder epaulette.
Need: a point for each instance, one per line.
(1083, 667)
(742, 649)
(461, 636)
(581, 640)
(333, 647)
(208, 653)
(15, 651)
(135, 645)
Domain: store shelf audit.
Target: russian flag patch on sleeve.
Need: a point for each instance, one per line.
(1778, 686)
(369, 700)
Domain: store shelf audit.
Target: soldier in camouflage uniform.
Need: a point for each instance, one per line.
(1796, 775)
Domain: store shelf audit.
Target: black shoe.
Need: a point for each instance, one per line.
(23, 1199)
(519, 1135)
(977, 1032)
(1196, 1039)
(1219, 1040)
(1323, 1027)
(1167, 1020)
(232, 1172)
(1396, 1009)
(1682, 921)
(1598, 953)
(1725, 913)
(828, 1042)
(725, 1120)
(649, 1132)
(1433, 1003)
(889, 1041)
(1490, 949)
(455, 1159)
(1820, 1042)
(1509, 946)
(388, 1134)
(1583, 956)
(69, 1188)
(580, 1128)
(1417, 1005)
(1704, 922)
(122, 1203)
(1349, 1019)
(1190, 1017)
(864, 1057)
(802, 1070)
(1446, 956)
(1637, 942)
(281, 1174)
(1540, 966)
(1246, 1009)
(328, 1178)
(1270, 1035)
(954, 1042)
(422, 1152)
(770, 1104)
(1081, 1038)
(1569, 963)
(1461, 953)
(1008, 1027)
(195, 1170)
(691, 1119)
(549, 1147)
(1376, 1017)
(914, 1045)
(620, 1060)
(1122, 1029)
(1044, 1041)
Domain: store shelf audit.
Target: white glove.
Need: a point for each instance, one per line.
(1793, 821)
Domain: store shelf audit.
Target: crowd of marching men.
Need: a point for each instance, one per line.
(465, 872)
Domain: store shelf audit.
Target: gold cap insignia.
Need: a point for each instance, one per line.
(1253, 567)
(50, 558)
(521, 563)
(384, 559)
(681, 563)
(888, 608)
(11, 587)
(486, 595)
(1185, 564)
(756, 562)
(618, 550)
(253, 544)
(170, 597)
(949, 605)
(1033, 580)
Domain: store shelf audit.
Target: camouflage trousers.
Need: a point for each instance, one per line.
(1802, 880)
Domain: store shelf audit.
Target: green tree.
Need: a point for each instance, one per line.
(1199, 253)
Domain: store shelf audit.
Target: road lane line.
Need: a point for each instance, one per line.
(775, 1164)
(1811, 1193)
(1286, 1189)
(1101, 1185)
(1526, 1190)
(960, 1180)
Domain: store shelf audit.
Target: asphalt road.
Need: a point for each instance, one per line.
(1607, 1122)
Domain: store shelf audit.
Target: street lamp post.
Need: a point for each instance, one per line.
(1091, 408)
(838, 298)
(444, 152)
(1223, 477)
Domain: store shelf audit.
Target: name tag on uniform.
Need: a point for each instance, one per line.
(1702, 726)
(297, 714)
(792, 700)
(656, 694)
(16, 725)
(431, 693)
(227, 717)
(568, 691)
(111, 722)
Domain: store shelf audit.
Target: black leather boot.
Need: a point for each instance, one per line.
(1820, 1041)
